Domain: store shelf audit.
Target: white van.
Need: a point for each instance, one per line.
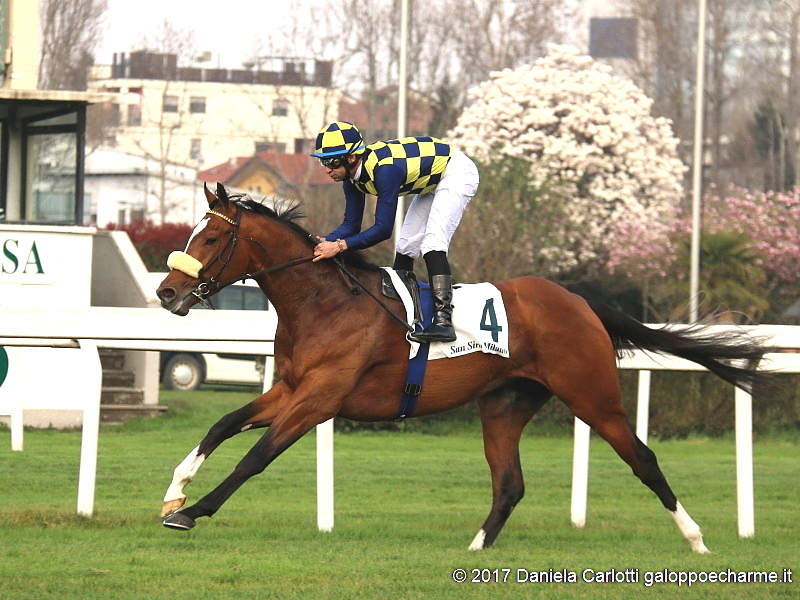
(187, 370)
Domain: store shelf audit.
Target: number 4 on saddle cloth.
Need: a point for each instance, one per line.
(479, 319)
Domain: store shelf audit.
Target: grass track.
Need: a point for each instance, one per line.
(407, 507)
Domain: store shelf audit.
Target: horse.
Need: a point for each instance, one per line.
(329, 364)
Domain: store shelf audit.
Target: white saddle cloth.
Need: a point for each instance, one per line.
(479, 318)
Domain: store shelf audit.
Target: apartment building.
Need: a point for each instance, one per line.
(196, 117)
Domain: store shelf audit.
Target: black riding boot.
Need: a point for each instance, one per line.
(441, 330)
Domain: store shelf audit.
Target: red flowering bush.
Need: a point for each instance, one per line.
(155, 242)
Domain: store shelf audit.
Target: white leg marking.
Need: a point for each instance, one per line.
(477, 543)
(183, 475)
(690, 530)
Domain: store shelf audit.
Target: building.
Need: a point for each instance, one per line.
(376, 117)
(49, 256)
(270, 173)
(120, 188)
(201, 116)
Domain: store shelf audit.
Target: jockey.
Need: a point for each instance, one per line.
(442, 180)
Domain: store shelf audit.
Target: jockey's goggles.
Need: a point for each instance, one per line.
(333, 162)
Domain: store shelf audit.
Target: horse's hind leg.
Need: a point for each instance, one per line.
(503, 421)
(234, 422)
(609, 421)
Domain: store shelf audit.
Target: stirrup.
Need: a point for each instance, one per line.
(434, 333)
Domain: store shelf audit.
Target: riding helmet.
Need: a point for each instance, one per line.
(339, 139)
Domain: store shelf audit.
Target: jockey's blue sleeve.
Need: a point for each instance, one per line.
(388, 179)
(353, 214)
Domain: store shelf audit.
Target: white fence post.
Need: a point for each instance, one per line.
(15, 410)
(643, 406)
(580, 473)
(744, 464)
(91, 427)
(325, 476)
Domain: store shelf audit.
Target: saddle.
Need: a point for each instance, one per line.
(413, 287)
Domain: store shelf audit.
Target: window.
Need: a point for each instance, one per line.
(171, 104)
(302, 146)
(279, 148)
(197, 104)
(240, 297)
(50, 177)
(114, 113)
(195, 152)
(134, 115)
(280, 108)
(46, 175)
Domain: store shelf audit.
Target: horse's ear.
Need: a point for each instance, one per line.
(222, 194)
(210, 197)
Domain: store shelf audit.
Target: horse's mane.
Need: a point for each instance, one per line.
(289, 213)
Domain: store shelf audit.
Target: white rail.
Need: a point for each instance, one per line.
(779, 336)
(246, 332)
(253, 333)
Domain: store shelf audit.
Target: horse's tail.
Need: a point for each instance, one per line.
(709, 347)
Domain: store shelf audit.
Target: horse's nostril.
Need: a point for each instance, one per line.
(166, 293)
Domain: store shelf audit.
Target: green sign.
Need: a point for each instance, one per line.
(3, 364)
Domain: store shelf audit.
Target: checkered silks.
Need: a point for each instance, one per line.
(338, 138)
(422, 159)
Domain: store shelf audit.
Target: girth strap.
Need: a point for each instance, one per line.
(417, 365)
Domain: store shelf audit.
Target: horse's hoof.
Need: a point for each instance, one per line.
(171, 506)
(179, 521)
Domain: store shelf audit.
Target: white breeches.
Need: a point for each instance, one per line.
(431, 219)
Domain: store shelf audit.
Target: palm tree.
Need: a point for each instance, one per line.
(730, 276)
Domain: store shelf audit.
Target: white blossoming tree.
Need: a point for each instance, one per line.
(588, 144)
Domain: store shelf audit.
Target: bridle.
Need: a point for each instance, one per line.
(205, 288)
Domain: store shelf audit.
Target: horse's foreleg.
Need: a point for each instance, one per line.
(182, 476)
(503, 422)
(287, 428)
(251, 415)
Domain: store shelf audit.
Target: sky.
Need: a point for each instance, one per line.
(227, 28)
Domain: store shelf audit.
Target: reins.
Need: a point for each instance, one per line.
(346, 271)
(205, 288)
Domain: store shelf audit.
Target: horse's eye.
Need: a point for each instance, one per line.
(210, 241)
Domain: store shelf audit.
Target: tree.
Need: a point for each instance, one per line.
(761, 230)
(590, 144)
(769, 132)
(779, 28)
(503, 231)
(731, 279)
(70, 33)
(751, 57)
(453, 45)
(169, 40)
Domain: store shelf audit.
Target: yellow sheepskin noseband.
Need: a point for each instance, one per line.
(180, 261)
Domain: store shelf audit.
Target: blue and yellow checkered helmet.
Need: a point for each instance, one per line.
(339, 139)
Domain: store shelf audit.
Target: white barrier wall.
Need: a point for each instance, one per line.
(45, 266)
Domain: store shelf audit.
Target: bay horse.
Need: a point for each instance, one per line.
(330, 364)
